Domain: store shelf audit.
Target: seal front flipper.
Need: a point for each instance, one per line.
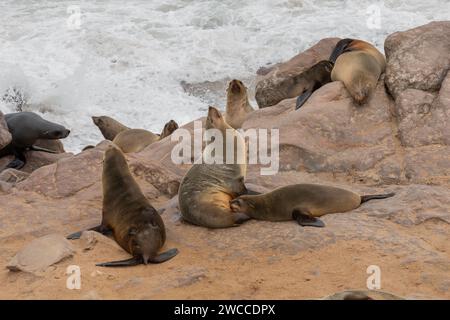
(122, 263)
(305, 219)
(302, 98)
(163, 257)
(19, 160)
(100, 228)
(37, 148)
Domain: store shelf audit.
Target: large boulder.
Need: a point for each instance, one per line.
(269, 88)
(5, 136)
(418, 58)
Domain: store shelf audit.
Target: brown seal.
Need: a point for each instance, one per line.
(301, 202)
(362, 295)
(238, 106)
(136, 140)
(134, 223)
(109, 127)
(358, 64)
(207, 189)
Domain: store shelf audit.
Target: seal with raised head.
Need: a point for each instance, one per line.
(26, 128)
(304, 84)
(168, 129)
(358, 64)
(207, 189)
(301, 202)
(109, 127)
(134, 222)
(238, 105)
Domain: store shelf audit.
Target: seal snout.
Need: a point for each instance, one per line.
(235, 86)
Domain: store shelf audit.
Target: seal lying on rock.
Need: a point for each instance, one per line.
(206, 189)
(301, 202)
(358, 64)
(136, 140)
(26, 128)
(109, 127)
(134, 223)
(238, 106)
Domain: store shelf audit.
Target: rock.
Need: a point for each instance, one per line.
(36, 160)
(269, 88)
(54, 145)
(418, 58)
(13, 176)
(5, 136)
(330, 134)
(88, 239)
(41, 253)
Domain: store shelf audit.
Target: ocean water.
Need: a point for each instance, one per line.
(127, 59)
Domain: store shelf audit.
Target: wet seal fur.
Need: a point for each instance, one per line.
(207, 189)
(26, 128)
(358, 64)
(109, 127)
(238, 105)
(127, 214)
(304, 84)
(300, 202)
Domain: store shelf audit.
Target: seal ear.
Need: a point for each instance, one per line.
(213, 113)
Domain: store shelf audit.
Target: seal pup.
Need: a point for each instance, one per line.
(127, 214)
(238, 106)
(304, 84)
(358, 64)
(301, 202)
(207, 189)
(109, 127)
(26, 128)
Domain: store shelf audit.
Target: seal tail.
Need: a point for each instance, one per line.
(376, 196)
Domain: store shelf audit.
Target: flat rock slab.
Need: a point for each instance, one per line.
(41, 253)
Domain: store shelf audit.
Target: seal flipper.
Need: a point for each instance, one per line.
(305, 219)
(100, 228)
(122, 263)
(302, 98)
(36, 148)
(163, 257)
(19, 160)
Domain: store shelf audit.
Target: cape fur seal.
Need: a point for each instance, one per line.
(206, 189)
(109, 127)
(309, 81)
(134, 223)
(362, 295)
(301, 202)
(358, 64)
(26, 128)
(238, 106)
(136, 140)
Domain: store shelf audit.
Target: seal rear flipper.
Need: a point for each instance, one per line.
(376, 196)
(302, 98)
(36, 148)
(122, 263)
(305, 219)
(240, 218)
(163, 257)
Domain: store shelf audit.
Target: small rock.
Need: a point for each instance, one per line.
(41, 253)
(89, 240)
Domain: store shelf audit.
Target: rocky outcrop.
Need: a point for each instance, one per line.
(5, 136)
(270, 86)
(418, 58)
